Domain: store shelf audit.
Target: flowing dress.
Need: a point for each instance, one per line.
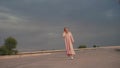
(69, 43)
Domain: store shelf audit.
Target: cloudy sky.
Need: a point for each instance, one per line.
(38, 24)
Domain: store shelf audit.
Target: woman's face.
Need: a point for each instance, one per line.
(66, 29)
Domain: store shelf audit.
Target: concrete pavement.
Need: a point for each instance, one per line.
(85, 58)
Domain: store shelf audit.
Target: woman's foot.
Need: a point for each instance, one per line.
(72, 57)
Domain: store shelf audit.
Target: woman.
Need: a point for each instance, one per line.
(69, 42)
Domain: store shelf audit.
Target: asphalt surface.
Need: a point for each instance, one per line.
(85, 58)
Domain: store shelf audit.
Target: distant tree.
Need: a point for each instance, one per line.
(9, 47)
(94, 46)
(82, 46)
(10, 43)
(3, 50)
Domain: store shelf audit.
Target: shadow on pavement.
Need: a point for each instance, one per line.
(118, 50)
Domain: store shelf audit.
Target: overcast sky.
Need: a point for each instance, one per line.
(38, 24)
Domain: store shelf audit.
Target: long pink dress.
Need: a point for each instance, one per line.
(69, 43)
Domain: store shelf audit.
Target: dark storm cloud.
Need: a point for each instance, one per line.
(59, 9)
(38, 24)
